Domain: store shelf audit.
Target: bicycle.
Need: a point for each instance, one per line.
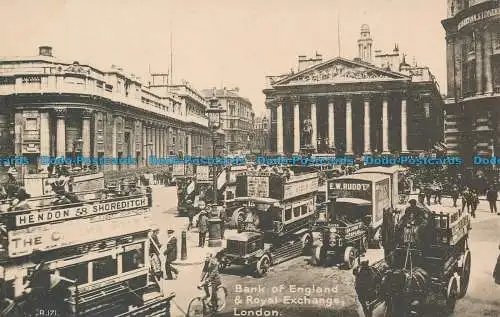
(200, 306)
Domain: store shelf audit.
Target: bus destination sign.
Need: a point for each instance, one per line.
(50, 215)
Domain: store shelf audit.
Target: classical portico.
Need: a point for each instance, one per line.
(353, 108)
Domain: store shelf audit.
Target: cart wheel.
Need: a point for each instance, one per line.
(196, 308)
(221, 298)
(465, 274)
(350, 256)
(262, 266)
(306, 244)
(451, 294)
(318, 255)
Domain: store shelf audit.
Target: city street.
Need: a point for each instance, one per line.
(331, 289)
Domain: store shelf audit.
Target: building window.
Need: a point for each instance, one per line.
(296, 212)
(77, 272)
(104, 267)
(133, 260)
(496, 41)
(495, 64)
(469, 78)
(288, 214)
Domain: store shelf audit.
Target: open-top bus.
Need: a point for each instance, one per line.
(98, 248)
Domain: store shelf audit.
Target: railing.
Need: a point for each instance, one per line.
(60, 84)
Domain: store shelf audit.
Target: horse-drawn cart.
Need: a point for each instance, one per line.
(428, 268)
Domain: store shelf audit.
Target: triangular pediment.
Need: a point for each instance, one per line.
(339, 70)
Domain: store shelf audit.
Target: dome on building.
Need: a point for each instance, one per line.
(365, 28)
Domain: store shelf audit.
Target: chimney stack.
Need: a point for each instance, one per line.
(45, 51)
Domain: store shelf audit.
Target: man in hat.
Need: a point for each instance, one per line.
(202, 228)
(170, 252)
(454, 195)
(190, 210)
(492, 197)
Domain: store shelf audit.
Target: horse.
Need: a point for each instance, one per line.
(368, 285)
(405, 291)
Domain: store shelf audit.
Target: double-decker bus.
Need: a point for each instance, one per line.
(282, 211)
(98, 249)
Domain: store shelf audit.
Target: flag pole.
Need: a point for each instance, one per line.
(338, 32)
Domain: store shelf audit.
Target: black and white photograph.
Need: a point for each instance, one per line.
(250, 158)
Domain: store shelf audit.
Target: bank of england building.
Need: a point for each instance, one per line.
(50, 107)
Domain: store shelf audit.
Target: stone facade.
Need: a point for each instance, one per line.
(67, 109)
(261, 135)
(354, 107)
(473, 72)
(237, 121)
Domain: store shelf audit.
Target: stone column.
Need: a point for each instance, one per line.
(114, 141)
(279, 129)
(158, 142)
(366, 137)
(488, 51)
(348, 127)
(61, 132)
(296, 125)
(314, 122)
(86, 117)
(165, 141)
(144, 153)
(153, 142)
(385, 125)
(479, 63)
(189, 145)
(44, 135)
(331, 122)
(163, 147)
(404, 127)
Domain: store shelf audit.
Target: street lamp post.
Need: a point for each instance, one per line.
(214, 120)
(214, 223)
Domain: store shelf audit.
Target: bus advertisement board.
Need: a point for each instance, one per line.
(48, 237)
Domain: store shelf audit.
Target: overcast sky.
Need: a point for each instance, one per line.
(220, 42)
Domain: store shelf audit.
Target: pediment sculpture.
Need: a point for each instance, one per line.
(77, 69)
(337, 72)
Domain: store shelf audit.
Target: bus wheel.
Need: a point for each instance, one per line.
(262, 266)
(306, 244)
(350, 256)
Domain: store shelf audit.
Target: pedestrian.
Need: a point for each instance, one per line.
(202, 228)
(466, 199)
(492, 196)
(170, 253)
(421, 196)
(387, 234)
(223, 218)
(190, 213)
(496, 271)
(428, 194)
(474, 202)
(454, 194)
(437, 188)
